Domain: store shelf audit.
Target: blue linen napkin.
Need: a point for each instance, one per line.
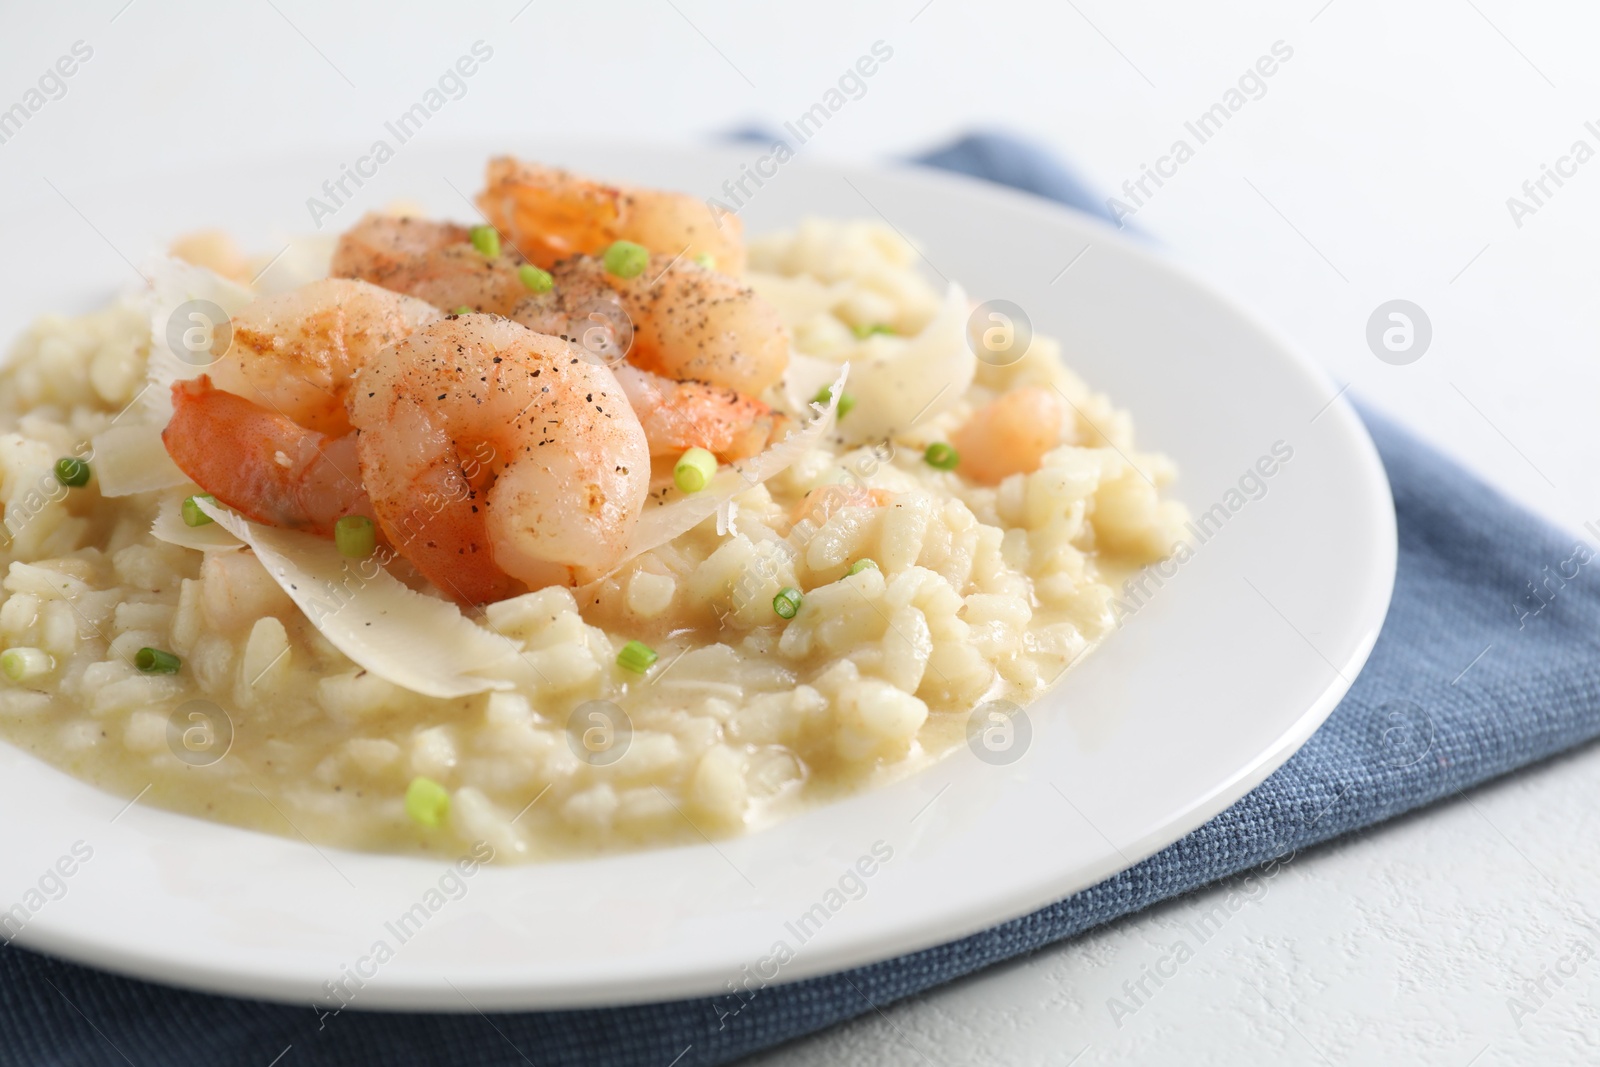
(1471, 678)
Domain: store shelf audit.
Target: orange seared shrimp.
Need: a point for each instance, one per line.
(498, 459)
(432, 261)
(263, 465)
(550, 214)
(1010, 435)
(677, 416)
(688, 323)
(295, 352)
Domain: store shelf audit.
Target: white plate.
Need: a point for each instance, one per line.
(1211, 685)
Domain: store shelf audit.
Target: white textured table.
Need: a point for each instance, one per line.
(1374, 163)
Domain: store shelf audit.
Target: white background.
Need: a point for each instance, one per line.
(1376, 166)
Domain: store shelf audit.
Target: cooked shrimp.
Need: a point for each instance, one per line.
(550, 214)
(412, 254)
(688, 323)
(295, 352)
(596, 322)
(432, 261)
(262, 464)
(567, 472)
(677, 416)
(380, 244)
(1010, 435)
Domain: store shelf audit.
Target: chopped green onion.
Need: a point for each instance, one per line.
(427, 802)
(941, 456)
(26, 664)
(863, 565)
(787, 602)
(192, 515)
(155, 661)
(863, 331)
(486, 239)
(537, 281)
(463, 310)
(693, 470)
(355, 536)
(706, 260)
(636, 656)
(626, 259)
(72, 472)
(825, 394)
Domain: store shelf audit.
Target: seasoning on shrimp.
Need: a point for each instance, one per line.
(688, 323)
(551, 214)
(440, 262)
(294, 353)
(570, 475)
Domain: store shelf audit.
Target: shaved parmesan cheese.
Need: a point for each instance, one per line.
(170, 527)
(128, 455)
(727, 519)
(916, 380)
(661, 523)
(130, 458)
(805, 377)
(418, 642)
(181, 336)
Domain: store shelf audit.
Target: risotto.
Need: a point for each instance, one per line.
(808, 600)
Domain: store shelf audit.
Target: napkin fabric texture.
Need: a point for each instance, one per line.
(1488, 661)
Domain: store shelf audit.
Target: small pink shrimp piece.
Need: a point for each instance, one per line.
(1010, 435)
(264, 466)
